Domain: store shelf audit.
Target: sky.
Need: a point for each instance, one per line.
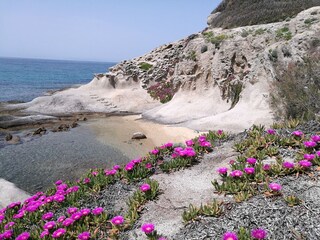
(96, 30)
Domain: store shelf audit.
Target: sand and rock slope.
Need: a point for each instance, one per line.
(221, 75)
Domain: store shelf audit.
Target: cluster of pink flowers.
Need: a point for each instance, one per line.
(255, 234)
(202, 140)
(183, 152)
(167, 145)
(130, 165)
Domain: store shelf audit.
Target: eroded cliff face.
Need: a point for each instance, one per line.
(222, 76)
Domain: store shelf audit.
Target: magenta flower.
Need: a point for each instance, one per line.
(49, 225)
(249, 170)
(2, 217)
(231, 162)
(95, 173)
(236, 174)
(111, 172)
(61, 219)
(145, 187)
(259, 233)
(147, 228)
(220, 132)
(308, 157)
(202, 138)
(58, 198)
(59, 182)
(318, 153)
(86, 180)
(222, 170)
(62, 186)
(205, 144)
(97, 211)
(189, 143)
(288, 165)
(271, 131)
(266, 167)
(315, 138)
(297, 133)
(47, 216)
(309, 144)
(67, 222)
(230, 236)
(155, 151)
(85, 211)
(7, 234)
(275, 187)
(9, 225)
(169, 145)
(116, 167)
(58, 233)
(84, 236)
(117, 220)
(76, 216)
(72, 210)
(148, 165)
(129, 166)
(305, 163)
(251, 161)
(44, 234)
(14, 204)
(23, 236)
(18, 215)
(75, 188)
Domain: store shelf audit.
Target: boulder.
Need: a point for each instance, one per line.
(139, 135)
(14, 140)
(39, 131)
(74, 124)
(8, 137)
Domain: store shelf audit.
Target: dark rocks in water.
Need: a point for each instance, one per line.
(74, 124)
(63, 127)
(8, 137)
(14, 140)
(40, 131)
(139, 135)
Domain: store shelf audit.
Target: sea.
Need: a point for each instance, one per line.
(22, 79)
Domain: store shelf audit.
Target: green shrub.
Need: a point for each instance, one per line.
(310, 21)
(216, 40)
(297, 91)
(260, 31)
(192, 55)
(145, 66)
(284, 33)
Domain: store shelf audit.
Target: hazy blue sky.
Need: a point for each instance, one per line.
(104, 30)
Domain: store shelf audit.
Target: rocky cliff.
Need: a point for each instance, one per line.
(217, 78)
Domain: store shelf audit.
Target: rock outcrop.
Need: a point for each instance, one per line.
(222, 77)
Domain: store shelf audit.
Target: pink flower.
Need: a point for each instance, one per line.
(84, 236)
(249, 170)
(129, 167)
(309, 144)
(117, 220)
(148, 165)
(72, 210)
(288, 165)
(275, 187)
(47, 216)
(95, 173)
(67, 222)
(222, 170)
(308, 157)
(7, 234)
(315, 138)
(116, 167)
(9, 225)
(147, 228)
(220, 132)
(44, 233)
(169, 145)
(189, 143)
(205, 144)
(58, 198)
(259, 233)
(58, 233)
(231, 162)
(266, 167)
(61, 219)
(202, 138)
(230, 236)
(49, 225)
(318, 153)
(59, 182)
(297, 133)
(155, 151)
(76, 216)
(85, 211)
(145, 187)
(23, 236)
(236, 174)
(86, 180)
(18, 215)
(271, 131)
(251, 161)
(111, 172)
(97, 211)
(14, 204)
(305, 163)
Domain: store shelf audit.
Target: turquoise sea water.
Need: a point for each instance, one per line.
(26, 79)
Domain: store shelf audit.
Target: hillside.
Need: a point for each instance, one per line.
(237, 13)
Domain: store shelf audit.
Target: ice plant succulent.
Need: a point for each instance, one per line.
(275, 187)
(230, 236)
(145, 187)
(259, 233)
(309, 144)
(147, 228)
(222, 170)
(84, 236)
(305, 163)
(23, 236)
(97, 211)
(117, 220)
(297, 133)
(249, 170)
(58, 233)
(236, 174)
(288, 165)
(251, 161)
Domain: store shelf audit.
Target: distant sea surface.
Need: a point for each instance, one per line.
(25, 79)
